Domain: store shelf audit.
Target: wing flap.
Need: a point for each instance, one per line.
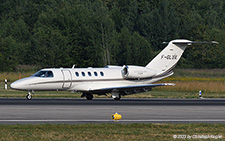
(135, 87)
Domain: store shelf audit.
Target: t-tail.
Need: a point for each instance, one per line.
(167, 59)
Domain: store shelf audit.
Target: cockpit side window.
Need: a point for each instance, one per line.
(49, 74)
(43, 74)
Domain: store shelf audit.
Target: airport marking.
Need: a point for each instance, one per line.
(166, 120)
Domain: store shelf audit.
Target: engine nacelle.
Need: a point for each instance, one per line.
(137, 72)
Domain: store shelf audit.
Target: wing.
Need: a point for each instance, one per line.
(133, 87)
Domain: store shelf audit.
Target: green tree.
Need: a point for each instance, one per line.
(8, 54)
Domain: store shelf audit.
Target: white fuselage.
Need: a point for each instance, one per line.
(80, 79)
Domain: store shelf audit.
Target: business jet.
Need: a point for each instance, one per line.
(117, 80)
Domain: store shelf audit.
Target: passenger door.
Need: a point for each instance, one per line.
(67, 79)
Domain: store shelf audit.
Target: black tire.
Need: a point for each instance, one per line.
(117, 98)
(89, 96)
(29, 97)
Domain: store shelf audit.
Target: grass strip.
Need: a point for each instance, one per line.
(156, 93)
(151, 94)
(197, 79)
(108, 131)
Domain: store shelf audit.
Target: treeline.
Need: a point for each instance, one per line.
(60, 33)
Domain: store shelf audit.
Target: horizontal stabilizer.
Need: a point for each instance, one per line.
(193, 42)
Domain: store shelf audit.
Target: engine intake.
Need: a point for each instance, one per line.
(137, 72)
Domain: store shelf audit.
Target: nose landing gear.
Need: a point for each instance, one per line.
(29, 96)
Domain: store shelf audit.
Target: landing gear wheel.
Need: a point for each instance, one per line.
(117, 98)
(29, 97)
(89, 96)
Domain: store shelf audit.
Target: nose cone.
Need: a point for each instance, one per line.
(19, 84)
(16, 85)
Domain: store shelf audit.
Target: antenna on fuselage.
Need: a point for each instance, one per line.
(73, 66)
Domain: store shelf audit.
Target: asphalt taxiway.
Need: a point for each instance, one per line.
(78, 111)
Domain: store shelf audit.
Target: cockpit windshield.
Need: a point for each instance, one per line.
(43, 74)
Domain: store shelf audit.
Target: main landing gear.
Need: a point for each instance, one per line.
(116, 95)
(88, 96)
(29, 96)
(117, 98)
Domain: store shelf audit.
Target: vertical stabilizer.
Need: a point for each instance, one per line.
(167, 59)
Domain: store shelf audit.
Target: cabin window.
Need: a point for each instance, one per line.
(43, 74)
(89, 73)
(96, 74)
(77, 74)
(102, 74)
(83, 73)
